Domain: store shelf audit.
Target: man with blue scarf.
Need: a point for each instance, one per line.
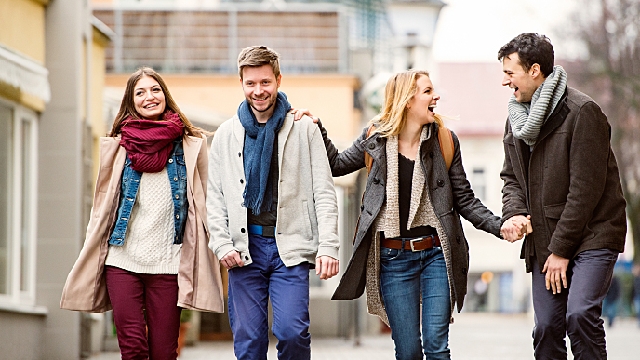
(272, 212)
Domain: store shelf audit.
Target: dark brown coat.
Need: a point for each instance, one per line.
(569, 185)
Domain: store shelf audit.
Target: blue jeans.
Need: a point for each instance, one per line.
(250, 288)
(575, 311)
(405, 278)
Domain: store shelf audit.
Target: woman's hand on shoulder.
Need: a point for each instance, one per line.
(299, 113)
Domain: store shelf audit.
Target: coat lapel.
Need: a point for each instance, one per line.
(555, 119)
(191, 147)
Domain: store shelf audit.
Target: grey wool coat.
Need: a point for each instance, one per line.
(451, 196)
(569, 183)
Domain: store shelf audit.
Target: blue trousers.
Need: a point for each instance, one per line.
(406, 278)
(251, 287)
(575, 311)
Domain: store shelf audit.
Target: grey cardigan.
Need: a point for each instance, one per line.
(451, 196)
(307, 224)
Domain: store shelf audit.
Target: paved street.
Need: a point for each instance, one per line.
(474, 336)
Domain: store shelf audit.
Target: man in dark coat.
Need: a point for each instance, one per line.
(560, 170)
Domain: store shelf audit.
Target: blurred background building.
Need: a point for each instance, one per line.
(51, 95)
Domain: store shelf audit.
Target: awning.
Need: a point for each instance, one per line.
(25, 74)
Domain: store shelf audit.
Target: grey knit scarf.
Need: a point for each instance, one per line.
(527, 118)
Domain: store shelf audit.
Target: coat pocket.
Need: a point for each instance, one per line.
(306, 218)
(553, 213)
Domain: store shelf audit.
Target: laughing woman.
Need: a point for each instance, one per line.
(409, 248)
(146, 251)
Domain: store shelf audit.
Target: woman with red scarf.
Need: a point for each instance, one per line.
(146, 255)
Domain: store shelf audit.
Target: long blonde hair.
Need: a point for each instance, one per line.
(127, 107)
(399, 90)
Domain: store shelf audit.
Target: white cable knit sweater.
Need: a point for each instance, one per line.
(148, 246)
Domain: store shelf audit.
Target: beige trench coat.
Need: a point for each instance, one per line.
(199, 282)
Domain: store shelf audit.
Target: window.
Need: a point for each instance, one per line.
(479, 183)
(17, 204)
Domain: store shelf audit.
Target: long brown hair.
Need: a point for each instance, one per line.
(399, 90)
(127, 107)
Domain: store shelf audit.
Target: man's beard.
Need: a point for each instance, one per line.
(266, 109)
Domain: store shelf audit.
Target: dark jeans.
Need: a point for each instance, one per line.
(250, 288)
(575, 311)
(407, 280)
(145, 313)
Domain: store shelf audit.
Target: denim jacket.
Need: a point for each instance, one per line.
(177, 172)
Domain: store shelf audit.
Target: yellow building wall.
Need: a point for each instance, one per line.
(97, 83)
(22, 30)
(22, 27)
(328, 96)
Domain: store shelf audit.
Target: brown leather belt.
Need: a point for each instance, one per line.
(413, 244)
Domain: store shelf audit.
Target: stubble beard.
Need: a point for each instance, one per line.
(266, 109)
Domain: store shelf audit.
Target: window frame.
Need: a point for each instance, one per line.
(22, 214)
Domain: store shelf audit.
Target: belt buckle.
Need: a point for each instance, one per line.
(269, 231)
(412, 241)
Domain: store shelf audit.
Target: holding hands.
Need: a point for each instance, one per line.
(516, 227)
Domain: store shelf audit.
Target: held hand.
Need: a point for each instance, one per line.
(299, 113)
(327, 267)
(556, 273)
(231, 259)
(515, 228)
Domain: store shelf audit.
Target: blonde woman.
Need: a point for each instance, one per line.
(409, 247)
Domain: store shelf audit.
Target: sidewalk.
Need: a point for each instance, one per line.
(473, 336)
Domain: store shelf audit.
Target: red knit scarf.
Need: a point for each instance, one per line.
(149, 142)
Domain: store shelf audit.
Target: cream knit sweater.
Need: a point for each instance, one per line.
(148, 246)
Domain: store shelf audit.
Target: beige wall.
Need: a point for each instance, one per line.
(329, 97)
(98, 126)
(22, 27)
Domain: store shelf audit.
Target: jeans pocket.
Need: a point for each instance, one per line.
(387, 254)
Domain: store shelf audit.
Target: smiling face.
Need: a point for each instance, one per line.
(260, 87)
(424, 101)
(524, 83)
(148, 98)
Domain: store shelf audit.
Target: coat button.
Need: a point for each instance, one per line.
(440, 183)
(239, 154)
(431, 154)
(361, 207)
(376, 181)
(246, 258)
(170, 161)
(177, 196)
(241, 181)
(243, 230)
(371, 146)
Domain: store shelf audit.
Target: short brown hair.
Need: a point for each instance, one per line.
(255, 56)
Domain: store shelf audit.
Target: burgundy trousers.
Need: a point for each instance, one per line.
(145, 313)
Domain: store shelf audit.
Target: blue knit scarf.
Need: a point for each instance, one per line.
(258, 148)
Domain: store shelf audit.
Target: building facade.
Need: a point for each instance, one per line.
(51, 71)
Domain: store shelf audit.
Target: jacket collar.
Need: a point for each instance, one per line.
(556, 118)
(375, 145)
